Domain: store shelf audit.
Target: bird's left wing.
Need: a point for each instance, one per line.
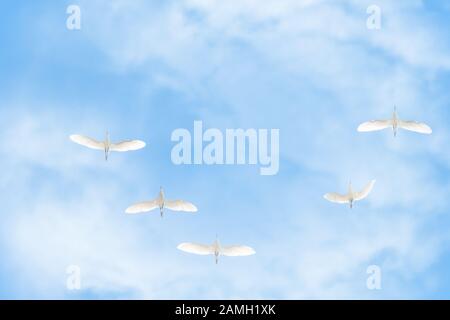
(365, 192)
(237, 251)
(127, 145)
(337, 198)
(415, 126)
(145, 206)
(195, 248)
(180, 205)
(87, 142)
(374, 125)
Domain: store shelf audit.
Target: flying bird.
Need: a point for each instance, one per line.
(162, 203)
(351, 196)
(395, 123)
(107, 146)
(216, 249)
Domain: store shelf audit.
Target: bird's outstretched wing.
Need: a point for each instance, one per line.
(365, 192)
(415, 126)
(87, 142)
(337, 198)
(374, 125)
(237, 251)
(180, 205)
(143, 207)
(127, 145)
(196, 248)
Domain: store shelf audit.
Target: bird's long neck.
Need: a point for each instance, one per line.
(216, 245)
(107, 140)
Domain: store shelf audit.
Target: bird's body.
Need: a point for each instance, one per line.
(162, 203)
(106, 145)
(216, 249)
(395, 123)
(351, 196)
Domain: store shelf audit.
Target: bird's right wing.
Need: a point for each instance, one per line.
(365, 192)
(196, 248)
(237, 251)
(143, 207)
(130, 145)
(374, 125)
(337, 198)
(180, 205)
(87, 142)
(415, 126)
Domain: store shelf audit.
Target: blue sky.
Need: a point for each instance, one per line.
(142, 69)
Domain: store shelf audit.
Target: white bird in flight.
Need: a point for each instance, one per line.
(107, 146)
(216, 249)
(351, 196)
(395, 123)
(161, 202)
